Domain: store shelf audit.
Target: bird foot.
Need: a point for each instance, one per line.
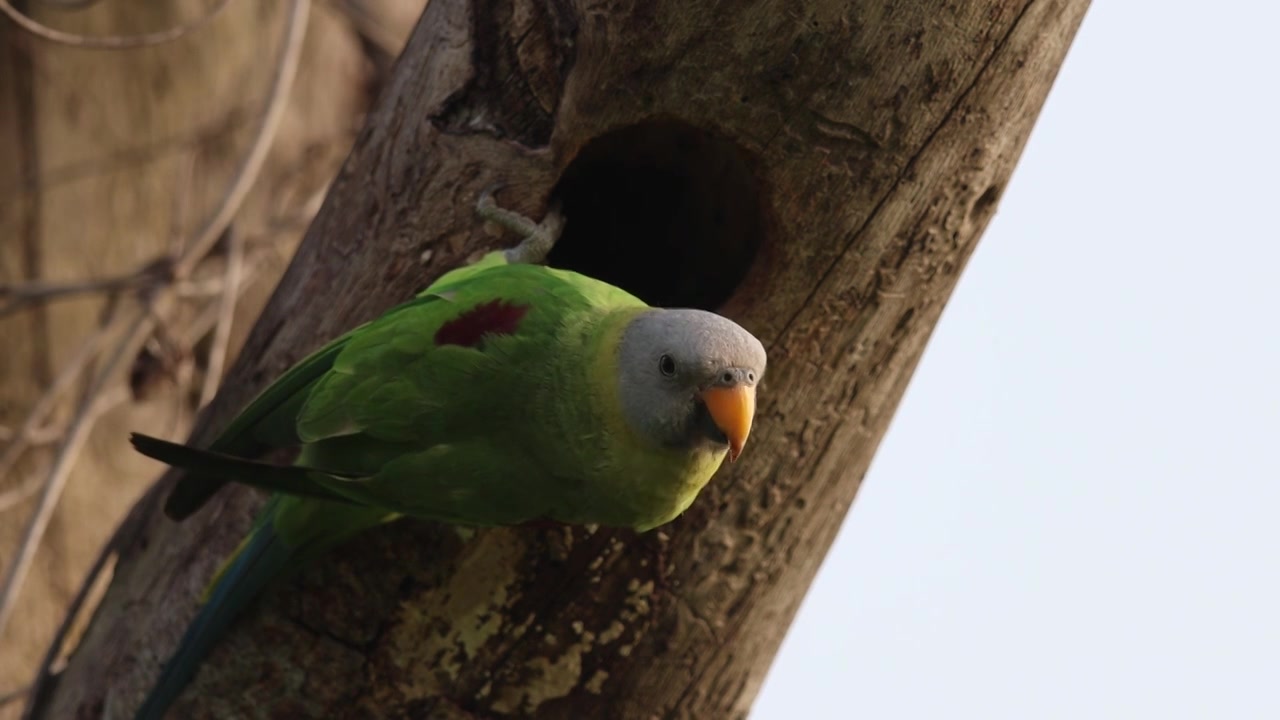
(539, 238)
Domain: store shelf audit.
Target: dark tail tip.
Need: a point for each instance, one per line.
(139, 440)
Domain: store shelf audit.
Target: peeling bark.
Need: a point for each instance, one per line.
(878, 138)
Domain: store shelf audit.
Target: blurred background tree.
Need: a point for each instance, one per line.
(133, 146)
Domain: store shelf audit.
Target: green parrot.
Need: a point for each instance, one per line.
(507, 392)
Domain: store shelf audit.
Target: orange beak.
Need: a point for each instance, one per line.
(732, 408)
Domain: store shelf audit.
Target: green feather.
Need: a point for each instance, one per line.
(269, 421)
(421, 413)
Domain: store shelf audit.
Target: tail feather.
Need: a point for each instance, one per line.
(218, 468)
(260, 559)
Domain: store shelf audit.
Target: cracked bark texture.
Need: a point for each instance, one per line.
(879, 137)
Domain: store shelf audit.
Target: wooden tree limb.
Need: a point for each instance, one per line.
(819, 170)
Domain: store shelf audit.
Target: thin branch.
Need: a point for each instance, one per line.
(101, 404)
(39, 436)
(46, 434)
(48, 401)
(303, 215)
(181, 200)
(23, 294)
(129, 158)
(370, 25)
(196, 289)
(37, 290)
(18, 694)
(108, 42)
(15, 496)
(77, 434)
(215, 286)
(70, 4)
(204, 323)
(125, 533)
(226, 313)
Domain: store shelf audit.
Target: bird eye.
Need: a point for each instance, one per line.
(666, 365)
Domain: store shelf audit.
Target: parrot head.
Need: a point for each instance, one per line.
(688, 379)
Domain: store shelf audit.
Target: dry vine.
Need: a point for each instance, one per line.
(158, 287)
(106, 42)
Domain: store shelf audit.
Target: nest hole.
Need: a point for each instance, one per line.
(667, 211)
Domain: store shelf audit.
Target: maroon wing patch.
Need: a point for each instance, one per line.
(496, 317)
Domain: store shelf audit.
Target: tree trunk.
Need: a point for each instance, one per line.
(817, 170)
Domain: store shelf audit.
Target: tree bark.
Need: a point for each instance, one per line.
(819, 170)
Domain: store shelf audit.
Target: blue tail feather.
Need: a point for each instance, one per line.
(260, 561)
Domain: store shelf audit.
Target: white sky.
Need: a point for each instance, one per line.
(1076, 512)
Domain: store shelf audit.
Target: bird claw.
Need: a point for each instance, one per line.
(539, 238)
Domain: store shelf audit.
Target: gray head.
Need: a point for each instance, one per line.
(688, 378)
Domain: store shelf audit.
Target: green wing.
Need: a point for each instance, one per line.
(268, 422)
(454, 369)
(392, 387)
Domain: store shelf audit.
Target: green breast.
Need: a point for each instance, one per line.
(614, 476)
